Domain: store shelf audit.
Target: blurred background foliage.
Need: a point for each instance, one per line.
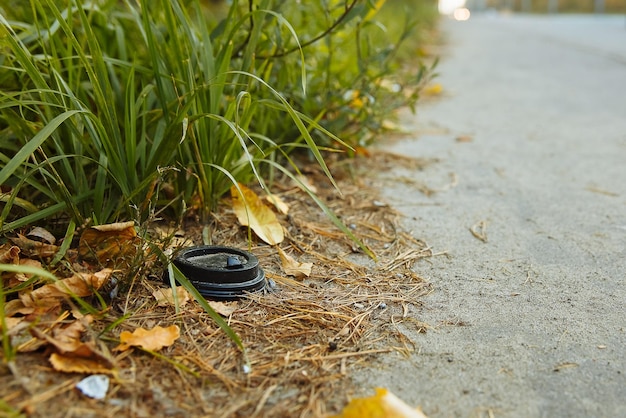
(552, 6)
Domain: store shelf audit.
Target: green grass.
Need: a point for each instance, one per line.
(104, 104)
(113, 110)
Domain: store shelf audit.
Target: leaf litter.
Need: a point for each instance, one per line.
(330, 310)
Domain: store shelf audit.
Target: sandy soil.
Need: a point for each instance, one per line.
(528, 313)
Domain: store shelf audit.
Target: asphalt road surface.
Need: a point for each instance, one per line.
(530, 134)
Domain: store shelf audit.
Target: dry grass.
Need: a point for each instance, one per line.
(302, 338)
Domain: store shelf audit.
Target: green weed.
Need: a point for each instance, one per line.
(113, 110)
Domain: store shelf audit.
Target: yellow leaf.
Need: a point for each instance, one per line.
(251, 212)
(382, 405)
(165, 297)
(152, 340)
(223, 308)
(71, 364)
(278, 203)
(433, 90)
(294, 268)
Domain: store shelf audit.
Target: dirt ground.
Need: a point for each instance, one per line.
(303, 335)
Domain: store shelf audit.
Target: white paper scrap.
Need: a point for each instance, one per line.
(94, 386)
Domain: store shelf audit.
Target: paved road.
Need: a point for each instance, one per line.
(540, 308)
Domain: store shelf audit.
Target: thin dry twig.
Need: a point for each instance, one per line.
(302, 338)
(479, 230)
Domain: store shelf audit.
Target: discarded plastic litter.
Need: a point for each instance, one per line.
(220, 272)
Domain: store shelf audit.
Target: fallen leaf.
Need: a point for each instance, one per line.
(109, 244)
(32, 248)
(16, 306)
(73, 364)
(382, 405)
(12, 323)
(433, 90)
(165, 296)
(278, 203)
(305, 181)
(67, 339)
(9, 254)
(42, 235)
(294, 268)
(251, 212)
(391, 125)
(68, 342)
(223, 308)
(22, 277)
(362, 152)
(464, 138)
(26, 342)
(81, 284)
(152, 340)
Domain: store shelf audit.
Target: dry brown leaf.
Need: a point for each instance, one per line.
(294, 268)
(67, 342)
(278, 203)
(33, 248)
(223, 308)
(73, 364)
(305, 181)
(165, 297)
(42, 234)
(109, 243)
(29, 263)
(67, 339)
(382, 405)
(81, 284)
(251, 212)
(152, 340)
(9, 254)
(12, 322)
(16, 306)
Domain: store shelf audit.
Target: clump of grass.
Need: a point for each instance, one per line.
(113, 110)
(110, 109)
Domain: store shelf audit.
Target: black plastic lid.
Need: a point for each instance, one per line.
(220, 272)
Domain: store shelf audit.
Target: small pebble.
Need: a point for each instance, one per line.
(382, 305)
